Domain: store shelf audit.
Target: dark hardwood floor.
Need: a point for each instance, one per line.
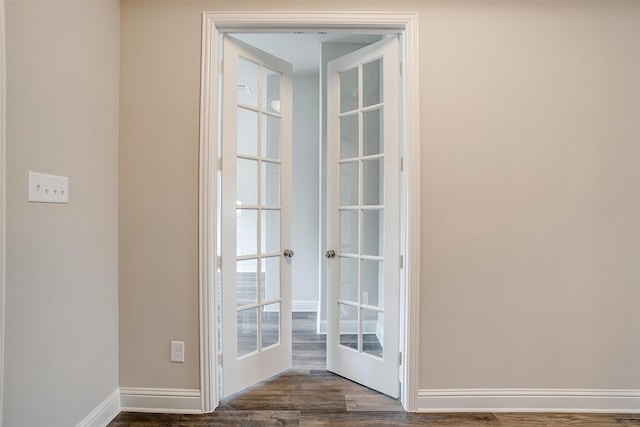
(309, 348)
(308, 395)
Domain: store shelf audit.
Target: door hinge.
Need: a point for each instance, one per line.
(401, 68)
(220, 163)
(400, 358)
(219, 263)
(401, 261)
(401, 164)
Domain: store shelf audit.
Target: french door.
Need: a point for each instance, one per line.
(256, 205)
(363, 217)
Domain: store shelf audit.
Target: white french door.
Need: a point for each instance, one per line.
(256, 206)
(363, 216)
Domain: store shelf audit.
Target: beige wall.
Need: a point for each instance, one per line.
(61, 278)
(531, 229)
(159, 99)
(530, 122)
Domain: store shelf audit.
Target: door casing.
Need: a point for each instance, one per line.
(214, 24)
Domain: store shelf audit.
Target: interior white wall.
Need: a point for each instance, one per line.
(306, 198)
(61, 343)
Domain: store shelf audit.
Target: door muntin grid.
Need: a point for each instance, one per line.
(361, 210)
(258, 209)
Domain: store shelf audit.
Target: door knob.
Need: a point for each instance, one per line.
(288, 253)
(330, 254)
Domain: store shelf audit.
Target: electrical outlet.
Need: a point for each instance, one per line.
(177, 351)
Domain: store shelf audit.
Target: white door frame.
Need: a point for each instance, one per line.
(213, 25)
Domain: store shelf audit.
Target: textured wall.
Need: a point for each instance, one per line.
(159, 131)
(62, 260)
(530, 231)
(529, 132)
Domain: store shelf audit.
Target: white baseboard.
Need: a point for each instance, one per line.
(104, 413)
(160, 400)
(528, 400)
(322, 327)
(304, 305)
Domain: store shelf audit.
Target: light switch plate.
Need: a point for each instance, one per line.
(48, 188)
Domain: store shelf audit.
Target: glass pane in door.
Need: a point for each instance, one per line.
(270, 90)
(247, 182)
(372, 337)
(372, 83)
(270, 184)
(270, 137)
(373, 134)
(349, 231)
(373, 283)
(373, 232)
(373, 182)
(270, 282)
(247, 83)
(247, 142)
(348, 90)
(246, 232)
(349, 184)
(270, 324)
(349, 137)
(247, 282)
(270, 241)
(349, 279)
(348, 325)
(247, 336)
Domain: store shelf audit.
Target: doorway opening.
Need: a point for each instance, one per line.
(309, 52)
(307, 291)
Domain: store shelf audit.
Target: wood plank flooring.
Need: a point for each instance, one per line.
(308, 395)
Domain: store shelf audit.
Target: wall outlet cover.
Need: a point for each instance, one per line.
(177, 351)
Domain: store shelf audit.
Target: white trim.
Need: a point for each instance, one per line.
(160, 400)
(104, 413)
(352, 22)
(304, 305)
(529, 400)
(208, 176)
(3, 207)
(411, 209)
(406, 23)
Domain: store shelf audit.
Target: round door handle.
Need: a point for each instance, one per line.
(330, 254)
(288, 253)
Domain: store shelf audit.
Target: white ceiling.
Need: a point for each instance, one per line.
(301, 50)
